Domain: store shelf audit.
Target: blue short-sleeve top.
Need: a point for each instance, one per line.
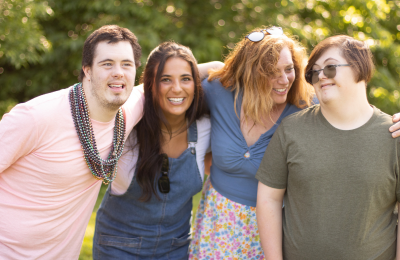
(234, 164)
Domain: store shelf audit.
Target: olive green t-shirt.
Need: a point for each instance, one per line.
(341, 187)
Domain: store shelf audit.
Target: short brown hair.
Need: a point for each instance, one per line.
(250, 66)
(111, 34)
(355, 52)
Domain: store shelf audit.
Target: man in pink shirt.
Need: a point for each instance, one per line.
(56, 149)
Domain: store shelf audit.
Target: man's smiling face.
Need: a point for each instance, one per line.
(112, 74)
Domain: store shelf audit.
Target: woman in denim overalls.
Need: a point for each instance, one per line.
(150, 218)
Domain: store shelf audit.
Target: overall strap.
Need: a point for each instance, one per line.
(192, 137)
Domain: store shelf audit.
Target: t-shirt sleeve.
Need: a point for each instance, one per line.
(210, 89)
(203, 142)
(206, 85)
(126, 166)
(18, 135)
(273, 170)
(133, 108)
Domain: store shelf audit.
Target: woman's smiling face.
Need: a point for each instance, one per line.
(341, 85)
(282, 84)
(176, 88)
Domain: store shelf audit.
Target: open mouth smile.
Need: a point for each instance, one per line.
(280, 91)
(176, 101)
(327, 85)
(116, 86)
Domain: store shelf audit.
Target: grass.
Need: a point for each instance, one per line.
(86, 250)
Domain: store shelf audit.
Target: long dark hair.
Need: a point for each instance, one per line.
(149, 136)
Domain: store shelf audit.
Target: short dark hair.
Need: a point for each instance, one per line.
(355, 52)
(110, 34)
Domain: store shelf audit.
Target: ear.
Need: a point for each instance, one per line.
(87, 70)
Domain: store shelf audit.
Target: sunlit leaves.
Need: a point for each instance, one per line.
(22, 40)
(49, 37)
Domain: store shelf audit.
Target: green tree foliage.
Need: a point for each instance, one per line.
(22, 39)
(41, 42)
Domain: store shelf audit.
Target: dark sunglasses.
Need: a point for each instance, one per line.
(312, 76)
(163, 182)
(258, 36)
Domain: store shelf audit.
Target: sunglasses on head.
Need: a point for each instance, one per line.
(163, 182)
(312, 76)
(258, 36)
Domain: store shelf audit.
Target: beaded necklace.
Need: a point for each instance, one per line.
(105, 170)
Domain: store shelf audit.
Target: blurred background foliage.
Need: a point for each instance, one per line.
(41, 41)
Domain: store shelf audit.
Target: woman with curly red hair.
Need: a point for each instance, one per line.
(261, 83)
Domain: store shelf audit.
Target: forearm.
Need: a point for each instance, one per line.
(205, 67)
(269, 220)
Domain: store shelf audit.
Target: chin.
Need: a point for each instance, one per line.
(280, 101)
(174, 113)
(115, 104)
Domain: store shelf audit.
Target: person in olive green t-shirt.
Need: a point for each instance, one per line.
(335, 165)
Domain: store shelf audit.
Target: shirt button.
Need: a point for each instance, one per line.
(247, 154)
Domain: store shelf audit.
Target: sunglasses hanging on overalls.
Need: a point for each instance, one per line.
(163, 182)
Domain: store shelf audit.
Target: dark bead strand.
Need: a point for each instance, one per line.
(105, 170)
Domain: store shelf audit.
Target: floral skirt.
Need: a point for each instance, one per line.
(224, 229)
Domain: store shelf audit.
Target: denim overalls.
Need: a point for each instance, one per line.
(127, 228)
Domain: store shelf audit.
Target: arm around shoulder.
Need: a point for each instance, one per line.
(134, 106)
(205, 67)
(395, 128)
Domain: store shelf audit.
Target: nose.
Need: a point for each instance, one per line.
(283, 79)
(117, 72)
(176, 86)
(321, 74)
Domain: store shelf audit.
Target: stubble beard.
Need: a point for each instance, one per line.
(114, 104)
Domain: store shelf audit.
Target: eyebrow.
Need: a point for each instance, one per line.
(183, 75)
(330, 58)
(110, 60)
(287, 65)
